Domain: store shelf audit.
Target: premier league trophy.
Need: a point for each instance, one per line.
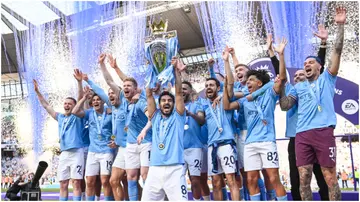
(160, 47)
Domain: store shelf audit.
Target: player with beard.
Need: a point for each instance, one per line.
(118, 140)
(71, 160)
(112, 61)
(192, 140)
(291, 120)
(100, 156)
(137, 156)
(260, 147)
(314, 140)
(167, 156)
(204, 132)
(239, 71)
(221, 143)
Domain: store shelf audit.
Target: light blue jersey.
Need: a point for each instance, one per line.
(204, 130)
(70, 131)
(192, 137)
(136, 119)
(168, 139)
(118, 114)
(85, 132)
(100, 131)
(262, 108)
(240, 113)
(216, 118)
(308, 94)
(291, 114)
(118, 125)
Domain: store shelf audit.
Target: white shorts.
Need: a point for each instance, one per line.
(193, 161)
(204, 165)
(86, 150)
(168, 180)
(119, 161)
(225, 160)
(259, 155)
(99, 163)
(240, 144)
(71, 164)
(137, 155)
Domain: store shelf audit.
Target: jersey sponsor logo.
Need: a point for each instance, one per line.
(350, 107)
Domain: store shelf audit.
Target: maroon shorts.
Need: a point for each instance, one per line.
(316, 146)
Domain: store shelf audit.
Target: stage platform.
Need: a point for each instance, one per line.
(346, 196)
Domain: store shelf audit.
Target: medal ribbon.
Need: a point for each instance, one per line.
(99, 125)
(163, 133)
(217, 118)
(65, 124)
(113, 120)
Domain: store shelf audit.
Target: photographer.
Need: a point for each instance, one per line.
(19, 183)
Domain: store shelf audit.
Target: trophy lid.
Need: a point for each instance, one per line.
(158, 26)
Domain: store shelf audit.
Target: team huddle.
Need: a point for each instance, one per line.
(112, 140)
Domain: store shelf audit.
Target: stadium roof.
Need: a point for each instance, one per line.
(16, 15)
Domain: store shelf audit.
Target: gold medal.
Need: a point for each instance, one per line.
(319, 108)
(112, 137)
(161, 146)
(126, 129)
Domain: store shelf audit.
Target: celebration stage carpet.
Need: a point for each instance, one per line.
(346, 196)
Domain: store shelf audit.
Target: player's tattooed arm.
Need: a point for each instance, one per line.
(340, 19)
(286, 102)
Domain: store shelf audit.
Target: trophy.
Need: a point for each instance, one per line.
(160, 47)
